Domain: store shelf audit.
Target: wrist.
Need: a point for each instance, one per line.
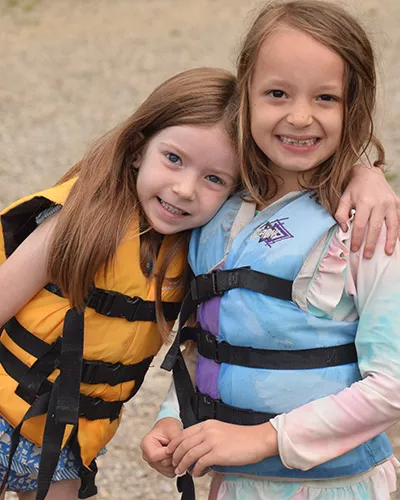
(168, 423)
(360, 168)
(269, 438)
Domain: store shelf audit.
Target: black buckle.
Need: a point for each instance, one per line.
(204, 407)
(97, 372)
(89, 371)
(205, 286)
(209, 345)
(131, 311)
(105, 302)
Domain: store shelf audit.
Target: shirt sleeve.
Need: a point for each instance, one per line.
(329, 427)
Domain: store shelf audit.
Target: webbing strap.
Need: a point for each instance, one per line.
(67, 411)
(206, 286)
(51, 446)
(118, 305)
(90, 408)
(93, 372)
(64, 399)
(185, 485)
(206, 408)
(39, 407)
(30, 382)
(271, 359)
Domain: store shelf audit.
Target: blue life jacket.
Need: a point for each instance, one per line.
(275, 242)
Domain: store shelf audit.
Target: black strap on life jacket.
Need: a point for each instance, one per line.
(65, 404)
(271, 359)
(195, 407)
(205, 287)
(62, 409)
(48, 359)
(117, 305)
(90, 408)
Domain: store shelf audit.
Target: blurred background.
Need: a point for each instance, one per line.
(72, 69)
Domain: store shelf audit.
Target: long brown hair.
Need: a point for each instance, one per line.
(104, 199)
(332, 26)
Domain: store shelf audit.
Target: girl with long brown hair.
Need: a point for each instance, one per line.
(92, 275)
(298, 372)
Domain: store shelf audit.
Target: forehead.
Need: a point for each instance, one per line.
(289, 53)
(206, 145)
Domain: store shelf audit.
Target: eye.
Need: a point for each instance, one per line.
(277, 94)
(214, 179)
(173, 158)
(327, 98)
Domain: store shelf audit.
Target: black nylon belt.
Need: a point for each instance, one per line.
(93, 372)
(271, 359)
(206, 408)
(90, 408)
(205, 286)
(118, 305)
(62, 400)
(39, 407)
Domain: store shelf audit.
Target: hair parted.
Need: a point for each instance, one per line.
(104, 199)
(333, 27)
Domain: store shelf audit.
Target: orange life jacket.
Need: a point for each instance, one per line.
(120, 336)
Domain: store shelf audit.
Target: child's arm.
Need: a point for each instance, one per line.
(376, 202)
(328, 427)
(218, 443)
(167, 427)
(24, 273)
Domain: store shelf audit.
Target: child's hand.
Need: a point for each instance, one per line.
(154, 445)
(376, 203)
(217, 443)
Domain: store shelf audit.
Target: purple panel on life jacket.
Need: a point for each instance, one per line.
(207, 371)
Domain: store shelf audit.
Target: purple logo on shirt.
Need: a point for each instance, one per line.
(272, 232)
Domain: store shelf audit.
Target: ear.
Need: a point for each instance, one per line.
(137, 160)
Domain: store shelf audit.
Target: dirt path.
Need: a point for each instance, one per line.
(72, 69)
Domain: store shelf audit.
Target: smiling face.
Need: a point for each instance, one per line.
(185, 174)
(296, 103)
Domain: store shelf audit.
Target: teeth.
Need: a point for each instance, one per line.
(295, 142)
(171, 208)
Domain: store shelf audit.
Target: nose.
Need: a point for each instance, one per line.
(300, 114)
(185, 186)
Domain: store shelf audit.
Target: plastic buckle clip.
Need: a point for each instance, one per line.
(132, 308)
(105, 302)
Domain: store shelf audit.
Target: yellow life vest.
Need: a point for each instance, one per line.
(117, 351)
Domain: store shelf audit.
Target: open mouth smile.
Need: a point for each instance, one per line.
(171, 208)
(300, 143)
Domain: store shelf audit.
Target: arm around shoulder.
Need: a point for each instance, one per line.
(24, 273)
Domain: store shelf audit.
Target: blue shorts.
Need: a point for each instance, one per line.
(25, 466)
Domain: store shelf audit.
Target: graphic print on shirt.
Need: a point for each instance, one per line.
(273, 232)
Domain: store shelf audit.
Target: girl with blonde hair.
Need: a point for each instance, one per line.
(298, 368)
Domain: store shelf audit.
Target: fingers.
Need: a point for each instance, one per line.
(359, 225)
(151, 454)
(374, 230)
(193, 455)
(392, 219)
(342, 213)
(158, 459)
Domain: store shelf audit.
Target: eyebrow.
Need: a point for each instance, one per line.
(328, 87)
(174, 146)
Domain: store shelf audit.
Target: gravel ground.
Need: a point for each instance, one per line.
(70, 70)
